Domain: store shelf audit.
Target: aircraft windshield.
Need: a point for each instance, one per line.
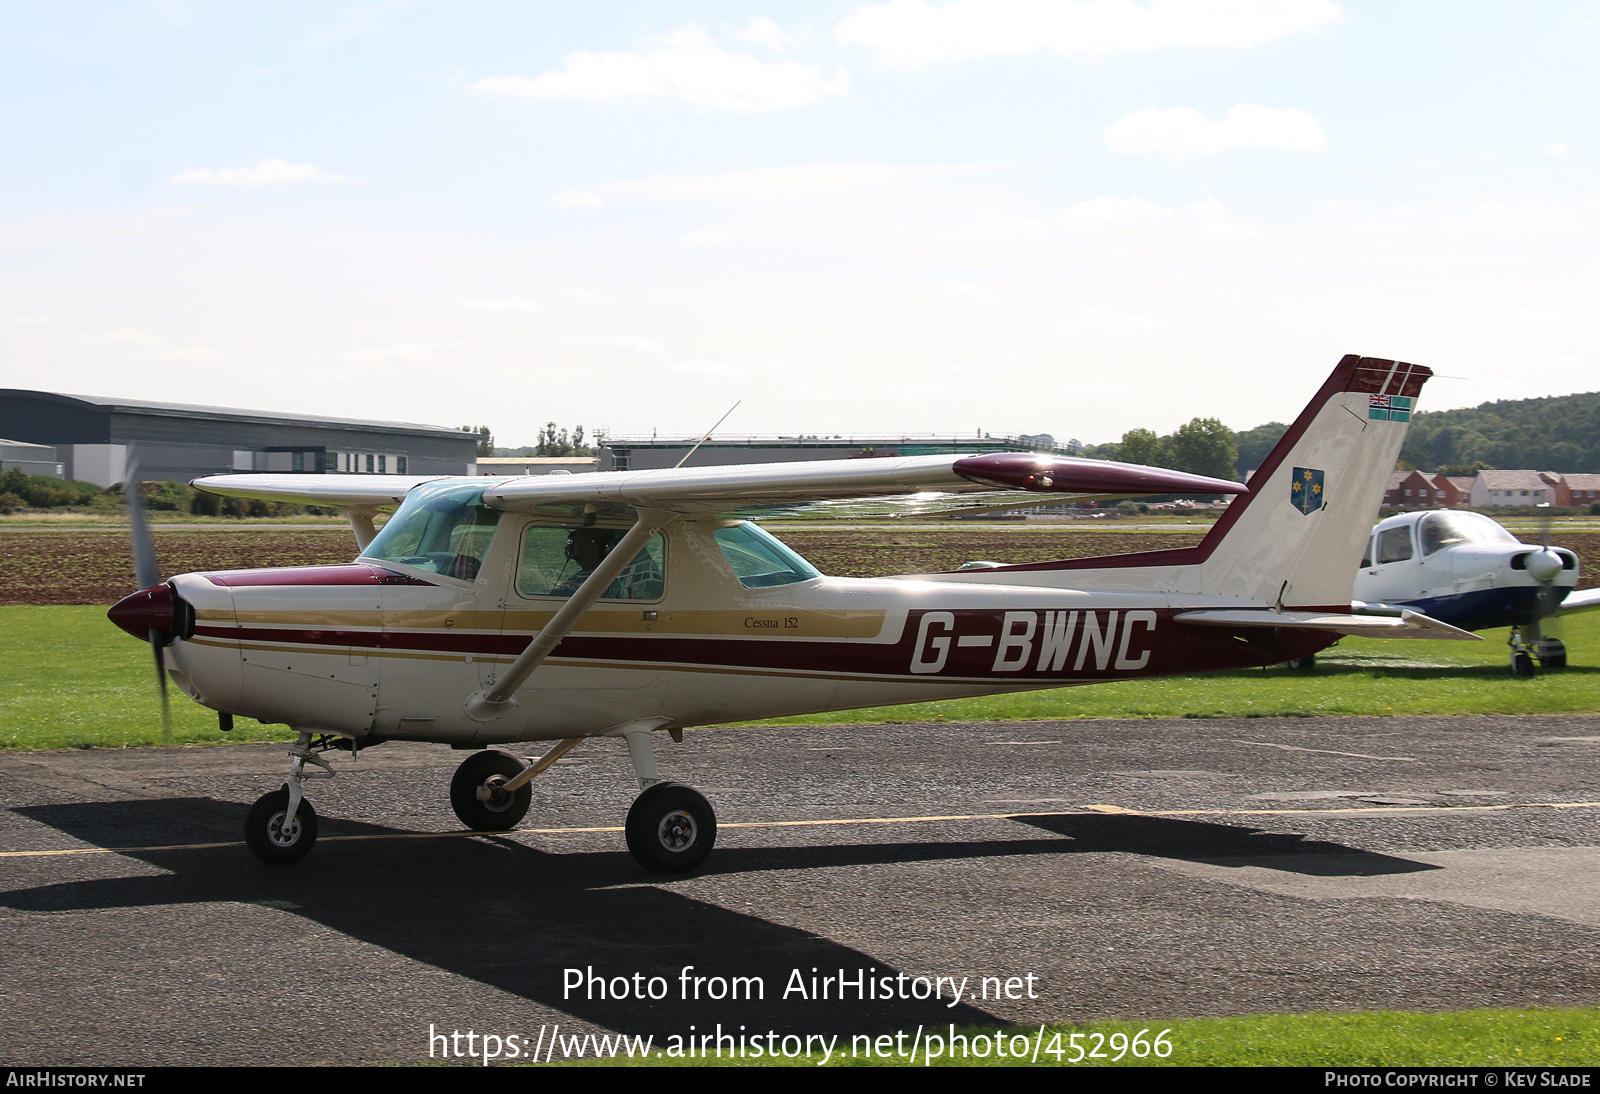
(443, 528)
(759, 560)
(1446, 529)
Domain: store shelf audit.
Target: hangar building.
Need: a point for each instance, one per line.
(94, 437)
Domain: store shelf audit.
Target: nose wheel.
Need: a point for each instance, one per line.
(273, 835)
(671, 828)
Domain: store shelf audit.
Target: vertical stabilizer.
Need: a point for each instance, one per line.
(1297, 540)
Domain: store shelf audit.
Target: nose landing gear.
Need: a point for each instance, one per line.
(281, 826)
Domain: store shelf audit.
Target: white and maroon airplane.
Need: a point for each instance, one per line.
(557, 608)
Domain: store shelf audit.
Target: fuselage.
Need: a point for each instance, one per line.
(1463, 569)
(379, 649)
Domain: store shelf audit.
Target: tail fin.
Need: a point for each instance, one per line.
(1296, 539)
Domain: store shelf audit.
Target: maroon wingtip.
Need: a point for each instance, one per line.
(1045, 473)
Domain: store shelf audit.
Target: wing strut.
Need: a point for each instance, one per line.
(498, 701)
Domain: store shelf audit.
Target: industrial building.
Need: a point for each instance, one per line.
(31, 459)
(94, 437)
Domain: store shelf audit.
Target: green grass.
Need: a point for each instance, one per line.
(69, 679)
(1473, 1038)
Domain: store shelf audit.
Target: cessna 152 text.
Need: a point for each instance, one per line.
(558, 608)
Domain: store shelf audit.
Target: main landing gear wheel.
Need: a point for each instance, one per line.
(671, 829)
(478, 795)
(1303, 664)
(1551, 652)
(272, 836)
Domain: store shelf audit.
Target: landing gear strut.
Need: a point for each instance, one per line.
(281, 826)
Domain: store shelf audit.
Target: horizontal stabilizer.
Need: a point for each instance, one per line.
(1407, 625)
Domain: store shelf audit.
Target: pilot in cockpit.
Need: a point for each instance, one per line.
(585, 549)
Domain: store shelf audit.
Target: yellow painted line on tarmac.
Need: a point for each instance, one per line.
(1087, 810)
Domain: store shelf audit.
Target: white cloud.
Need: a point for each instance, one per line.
(1101, 211)
(399, 351)
(973, 291)
(265, 173)
(354, 23)
(494, 303)
(689, 67)
(994, 225)
(196, 355)
(703, 235)
(1182, 131)
(1095, 319)
(125, 336)
(767, 33)
(915, 34)
(1528, 316)
(23, 320)
(1558, 150)
(708, 368)
(577, 199)
(630, 343)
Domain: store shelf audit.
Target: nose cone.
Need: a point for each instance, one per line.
(1544, 565)
(146, 610)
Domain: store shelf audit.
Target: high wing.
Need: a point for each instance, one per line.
(972, 481)
(333, 491)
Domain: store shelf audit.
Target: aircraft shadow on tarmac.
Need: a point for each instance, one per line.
(513, 917)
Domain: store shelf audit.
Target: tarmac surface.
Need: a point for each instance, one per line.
(1090, 870)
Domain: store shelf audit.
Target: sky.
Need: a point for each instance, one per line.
(1074, 217)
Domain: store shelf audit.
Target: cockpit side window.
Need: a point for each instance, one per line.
(556, 561)
(760, 560)
(443, 528)
(1394, 544)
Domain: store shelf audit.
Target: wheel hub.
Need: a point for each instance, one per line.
(282, 831)
(677, 830)
(493, 794)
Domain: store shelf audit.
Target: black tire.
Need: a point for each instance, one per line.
(501, 811)
(671, 829)
(264, 829)
(1521, 664)
(1552, 653)
(1303, 664)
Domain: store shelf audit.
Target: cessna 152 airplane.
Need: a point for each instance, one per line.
(1464, 569)
(495, 611)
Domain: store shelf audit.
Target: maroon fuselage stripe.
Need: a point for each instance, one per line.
(1172, 647)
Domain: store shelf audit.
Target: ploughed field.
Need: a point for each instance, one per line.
(95, 567)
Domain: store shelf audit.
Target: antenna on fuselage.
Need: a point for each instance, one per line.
(707, 437)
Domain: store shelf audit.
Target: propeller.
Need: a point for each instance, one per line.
(1544, 566)
(148, 575)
